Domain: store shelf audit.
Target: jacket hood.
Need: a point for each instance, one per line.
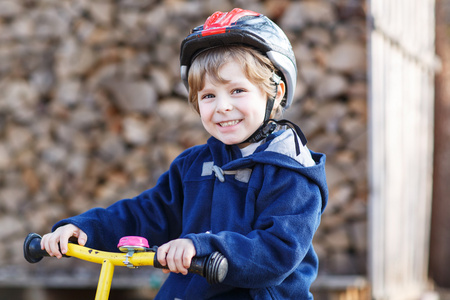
(278, 150)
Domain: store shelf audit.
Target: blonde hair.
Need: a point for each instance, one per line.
(257, 68)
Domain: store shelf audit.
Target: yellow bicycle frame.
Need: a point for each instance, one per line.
(213, 267)
(108, 260)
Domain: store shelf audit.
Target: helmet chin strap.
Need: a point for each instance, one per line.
(269, 125)
(262, 132)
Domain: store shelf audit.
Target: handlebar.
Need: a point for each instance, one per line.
(213, 267)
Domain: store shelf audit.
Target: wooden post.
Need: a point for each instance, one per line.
(440, 233)
(401, 105)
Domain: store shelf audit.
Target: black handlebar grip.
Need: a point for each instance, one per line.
(213, 267)
(32, 248)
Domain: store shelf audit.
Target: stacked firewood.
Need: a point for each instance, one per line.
(92, 108)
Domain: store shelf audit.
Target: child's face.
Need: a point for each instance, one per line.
(234, 110)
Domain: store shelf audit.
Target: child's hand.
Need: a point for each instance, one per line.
(53, 242)
(177, 255)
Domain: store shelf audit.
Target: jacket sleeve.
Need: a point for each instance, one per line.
(154, 214)
(288, 210)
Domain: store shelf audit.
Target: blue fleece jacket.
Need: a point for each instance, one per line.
(261, 211)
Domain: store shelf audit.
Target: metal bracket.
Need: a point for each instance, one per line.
(127, 262)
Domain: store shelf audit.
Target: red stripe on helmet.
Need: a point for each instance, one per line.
(213, 31)
(221, 19)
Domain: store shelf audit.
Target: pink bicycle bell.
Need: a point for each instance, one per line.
(133, 243)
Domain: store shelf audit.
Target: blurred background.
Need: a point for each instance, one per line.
(92, 110)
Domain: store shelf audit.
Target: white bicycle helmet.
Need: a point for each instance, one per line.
(243, 27)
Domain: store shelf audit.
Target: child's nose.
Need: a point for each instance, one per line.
(223, 104)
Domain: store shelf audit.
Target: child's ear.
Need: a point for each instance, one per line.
(281, 90)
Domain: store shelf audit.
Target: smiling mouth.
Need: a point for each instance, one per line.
(229, 123)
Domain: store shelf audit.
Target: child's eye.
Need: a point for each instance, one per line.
(237, 91)
(207, 96)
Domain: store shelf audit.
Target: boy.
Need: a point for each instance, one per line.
(254, 192)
